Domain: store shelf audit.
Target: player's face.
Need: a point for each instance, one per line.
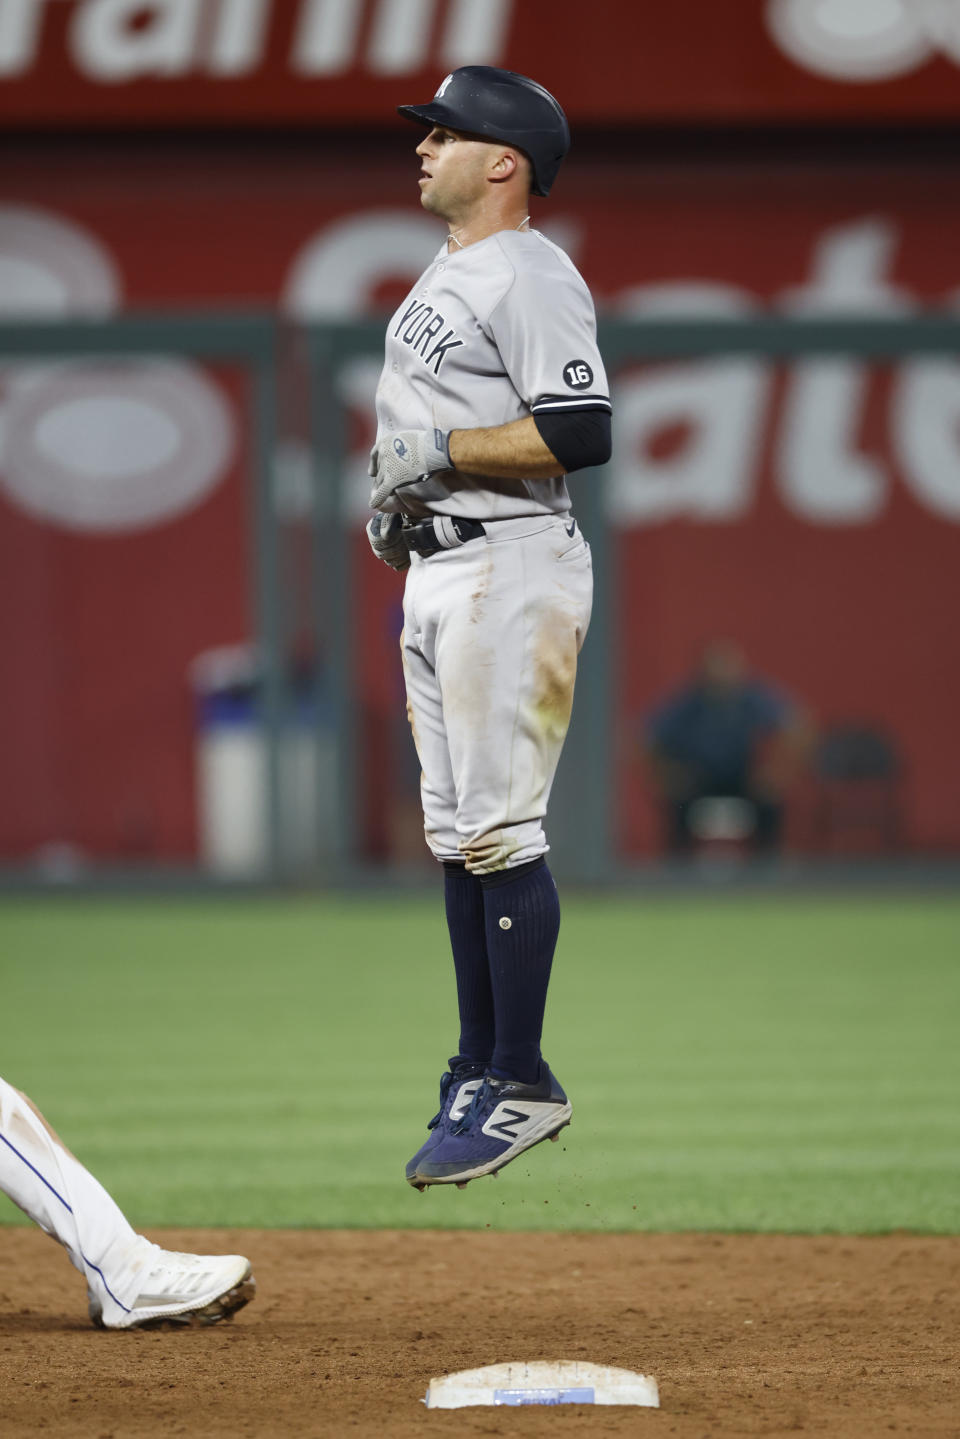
(453, 173)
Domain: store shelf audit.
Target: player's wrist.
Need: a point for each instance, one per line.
(438, 450)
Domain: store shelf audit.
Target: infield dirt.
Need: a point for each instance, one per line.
(746, 1335)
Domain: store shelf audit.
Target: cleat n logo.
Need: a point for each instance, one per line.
(508, 1122)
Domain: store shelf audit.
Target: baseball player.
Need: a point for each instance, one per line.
(492, 391)
(131, 1283)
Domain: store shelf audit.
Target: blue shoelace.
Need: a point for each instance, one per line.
(446, 1079)
(480, 1098)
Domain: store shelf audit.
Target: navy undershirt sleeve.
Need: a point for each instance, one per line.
(580, 439)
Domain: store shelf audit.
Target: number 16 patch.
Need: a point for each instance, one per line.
(578, 375)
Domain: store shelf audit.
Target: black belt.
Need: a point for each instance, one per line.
(444, 532)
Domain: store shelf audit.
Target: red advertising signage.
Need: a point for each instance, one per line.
(330, 62)
(810, 511)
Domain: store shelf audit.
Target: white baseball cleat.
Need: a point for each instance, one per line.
(179, 1289)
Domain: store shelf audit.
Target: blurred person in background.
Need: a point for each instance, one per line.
(727, 735)
(131, 1283)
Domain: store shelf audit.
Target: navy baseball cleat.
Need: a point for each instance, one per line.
(505, 1118)
(457, 1088)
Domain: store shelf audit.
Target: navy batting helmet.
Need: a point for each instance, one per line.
(501, 105)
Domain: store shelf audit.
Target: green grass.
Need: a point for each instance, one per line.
(778, 1064)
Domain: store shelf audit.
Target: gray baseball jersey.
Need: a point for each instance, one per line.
(502, 329)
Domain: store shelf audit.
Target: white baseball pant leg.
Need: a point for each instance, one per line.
(50, 1185)
(492, 631)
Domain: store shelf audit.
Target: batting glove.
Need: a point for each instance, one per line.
(385, 533)
(403, 457)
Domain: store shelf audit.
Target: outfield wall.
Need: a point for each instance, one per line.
(809, 510)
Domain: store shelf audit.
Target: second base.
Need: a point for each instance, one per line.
(561, 1381)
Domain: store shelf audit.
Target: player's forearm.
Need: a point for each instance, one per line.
(514, 451)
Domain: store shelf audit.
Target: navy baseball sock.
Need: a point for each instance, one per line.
(522, 912)
(465, 921)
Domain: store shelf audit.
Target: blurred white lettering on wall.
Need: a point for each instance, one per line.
(721, 418)
(865, 40)
(97, 445)
(115, 41)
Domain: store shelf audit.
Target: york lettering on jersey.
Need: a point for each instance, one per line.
(419, 326)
